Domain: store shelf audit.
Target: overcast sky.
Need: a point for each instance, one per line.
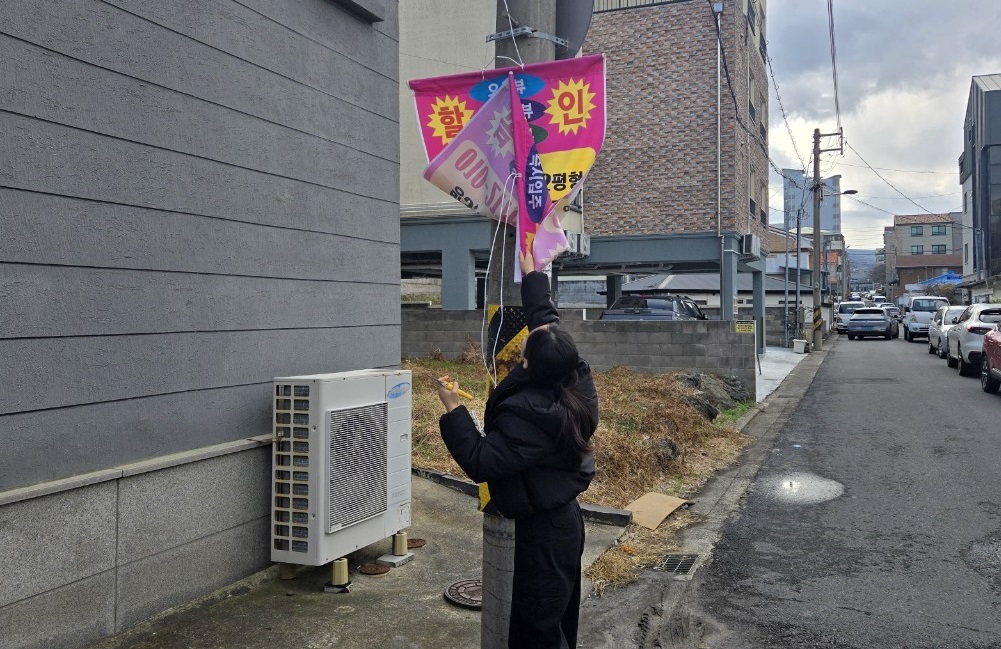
(904, 74)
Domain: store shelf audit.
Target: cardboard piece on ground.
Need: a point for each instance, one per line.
(650, 509)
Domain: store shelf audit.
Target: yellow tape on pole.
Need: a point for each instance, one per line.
(505, 332)
(818, 321)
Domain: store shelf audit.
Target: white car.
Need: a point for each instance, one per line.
(918, 313)
(843, 312)
(966, 337)
(940, 324)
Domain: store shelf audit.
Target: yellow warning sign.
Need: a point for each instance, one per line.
(743, 326)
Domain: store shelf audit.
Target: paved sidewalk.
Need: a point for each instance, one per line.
(775, 365)
(403, 609)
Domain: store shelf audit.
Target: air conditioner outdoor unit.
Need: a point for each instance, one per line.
(341, 463)
(750, 245)
(573, 241)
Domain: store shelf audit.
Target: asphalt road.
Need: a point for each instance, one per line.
(875, 520)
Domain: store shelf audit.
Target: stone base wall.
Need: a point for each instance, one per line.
(94, 555)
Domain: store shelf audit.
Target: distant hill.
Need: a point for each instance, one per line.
(862, 261)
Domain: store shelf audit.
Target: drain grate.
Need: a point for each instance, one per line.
(677, 564)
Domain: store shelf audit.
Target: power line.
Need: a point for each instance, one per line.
(891, 185)
(905, 171)
(775, 87)
(834, 60)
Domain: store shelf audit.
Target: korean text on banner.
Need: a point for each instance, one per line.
(563, 103)
(539, 229)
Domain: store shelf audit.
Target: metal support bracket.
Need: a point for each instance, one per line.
(527, 32)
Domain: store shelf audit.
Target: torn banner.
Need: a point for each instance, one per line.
(468, 135)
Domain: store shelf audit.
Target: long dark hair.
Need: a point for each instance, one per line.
(552, 361)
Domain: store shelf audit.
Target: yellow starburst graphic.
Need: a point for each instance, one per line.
(448, 116)
(571, 106)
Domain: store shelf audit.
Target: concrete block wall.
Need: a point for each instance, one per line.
(98, 554)
(695, 346)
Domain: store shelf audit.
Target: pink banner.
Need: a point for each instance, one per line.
(469, 140)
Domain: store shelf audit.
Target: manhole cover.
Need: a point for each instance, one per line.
(416, 543)
(678, 564)
(467, 593)
(373, 569)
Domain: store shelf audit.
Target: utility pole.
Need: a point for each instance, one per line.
(498, 532)
(818, 193)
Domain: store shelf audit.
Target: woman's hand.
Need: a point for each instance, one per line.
(449, 398)
(527, 262)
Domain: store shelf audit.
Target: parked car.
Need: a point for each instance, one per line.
(843, 312)
(966, 338)
(941, 322)
(918, 313)
(892, 310)
(871, 321)
(653, 307)
(990, 361)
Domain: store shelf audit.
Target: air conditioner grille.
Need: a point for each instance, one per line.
(358, 455)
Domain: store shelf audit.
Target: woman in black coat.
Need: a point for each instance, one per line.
(536, 458)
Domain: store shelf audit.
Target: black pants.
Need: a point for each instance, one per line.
(546, 586)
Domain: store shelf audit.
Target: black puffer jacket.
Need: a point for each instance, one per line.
(520, 458)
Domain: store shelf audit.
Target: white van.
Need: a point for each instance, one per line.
(918, 312)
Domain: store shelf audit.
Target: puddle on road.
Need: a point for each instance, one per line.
(802, 488)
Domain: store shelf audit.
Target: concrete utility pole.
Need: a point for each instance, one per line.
(498, 532)
(818, 194)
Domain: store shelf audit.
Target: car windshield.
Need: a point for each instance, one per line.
(926, 305)
(868, 316)
(633, 302)
(848, 307)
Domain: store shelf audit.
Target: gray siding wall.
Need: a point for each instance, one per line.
(694, 346)
(195, 197)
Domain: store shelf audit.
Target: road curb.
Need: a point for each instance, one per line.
(591, 513)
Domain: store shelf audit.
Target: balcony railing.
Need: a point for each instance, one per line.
(601, 6)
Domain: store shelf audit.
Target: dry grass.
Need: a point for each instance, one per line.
(649, 439)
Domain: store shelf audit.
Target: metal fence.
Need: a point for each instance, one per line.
(601, 6)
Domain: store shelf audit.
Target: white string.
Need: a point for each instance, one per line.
(486, 285)
(507, 10)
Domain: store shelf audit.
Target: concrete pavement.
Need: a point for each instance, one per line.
(404, 608)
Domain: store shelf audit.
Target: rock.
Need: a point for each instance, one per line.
(667, 451)
(700, 401)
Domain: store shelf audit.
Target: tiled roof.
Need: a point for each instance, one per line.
(909, 219)
(682, 283)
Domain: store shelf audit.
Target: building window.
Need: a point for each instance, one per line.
(966, 253)
(917, 230)
(938, 229)
(938, 249)
(964, 203)
(917, 250)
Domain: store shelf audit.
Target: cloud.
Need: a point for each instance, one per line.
(904, 72)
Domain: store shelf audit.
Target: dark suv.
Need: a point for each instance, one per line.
(654, 307)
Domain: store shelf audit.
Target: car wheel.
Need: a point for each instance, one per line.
(964, 367)
(851, 336)
(941, 349)
(931, 350)
(949, 360)
(887, 335)
(988, 382)
(907, 335)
